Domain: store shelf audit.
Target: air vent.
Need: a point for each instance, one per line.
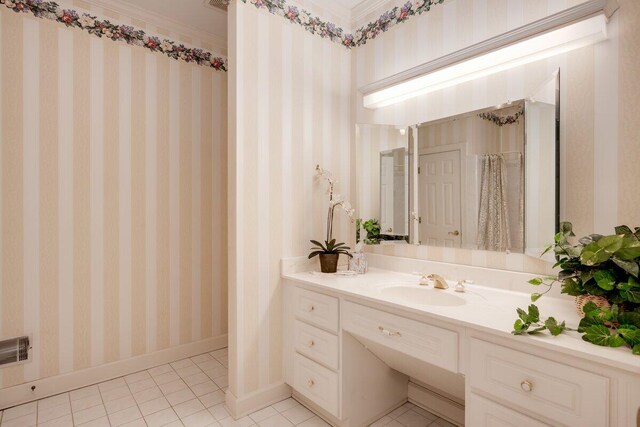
(218, 4)
(14, 350)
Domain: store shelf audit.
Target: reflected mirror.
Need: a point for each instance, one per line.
(486, 179)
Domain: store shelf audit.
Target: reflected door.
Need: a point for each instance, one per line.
(439, 184)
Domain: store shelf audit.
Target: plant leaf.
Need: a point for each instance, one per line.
(554, 327)
(315, 253)
(601, 335)
(630, 290)
(566, 228)
(630, 334)
(605, 279)
(623, 229)
(630, 249)
(535, 297)
(636, 349)
(536, 282)
(534, 314)
(598, 252)
(572, 287)
(523, 315)
(630, 267)
(630, 318)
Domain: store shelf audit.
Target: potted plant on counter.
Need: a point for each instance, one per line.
(602, 273)
(330, 251)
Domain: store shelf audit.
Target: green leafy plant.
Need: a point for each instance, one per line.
(329, 248)
(604, 266)
(372, 227)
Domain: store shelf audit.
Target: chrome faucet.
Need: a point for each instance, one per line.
(438, 281)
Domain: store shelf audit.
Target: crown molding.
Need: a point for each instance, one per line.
(161, 21)
(365, 8)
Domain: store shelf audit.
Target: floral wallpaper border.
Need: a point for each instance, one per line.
(324, 29)
(104, 28)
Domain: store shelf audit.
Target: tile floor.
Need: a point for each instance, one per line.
(188, 392)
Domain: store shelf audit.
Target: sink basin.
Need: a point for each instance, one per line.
(426, 296)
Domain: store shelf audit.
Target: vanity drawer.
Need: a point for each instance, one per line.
(316, 344)
(317, 309)
(482, 412)
(316, 383)
(431, 344)
(569, 396)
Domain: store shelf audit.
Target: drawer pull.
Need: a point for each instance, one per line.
(311, 308)
(389, 333)
(311, 343)
(526, 386)
(310, 383)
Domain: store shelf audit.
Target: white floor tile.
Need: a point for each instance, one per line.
(121, 404)
(86, 402)
(89, 414)
(382, 422)
(112, 384)
(19, 411)
(173, 386)
(65, 421)
(314, 422)
(276, 420)
(188, 371)
(399, 411)
(204, 388)
(161, 418)
(394, 423)
(187, 408)
(147, 395)
(51, 413)
(142, 385)
(201, 358)
(159, 370)
(27, 420)
(263, 414)
(125, 416)
(83, 393)
(200, 419)
(153, 406)
(166, 378)
(212, 399)
(137, 423)
(219, 412)
(222, 382)
(181, 364)
(242, 422)
(413, 419)
(210, 364)
(285, 404)
(99, 422)
(441, 423)
(138, 376)
(220, 353)
(198, 378)
(298, 414)
(115, 393)
(180, 396)
(52, 401)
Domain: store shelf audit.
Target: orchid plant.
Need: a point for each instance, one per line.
(335, 200)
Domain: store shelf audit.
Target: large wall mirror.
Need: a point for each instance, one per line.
(485, 179)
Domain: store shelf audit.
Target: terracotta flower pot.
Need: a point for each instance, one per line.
(329, 263)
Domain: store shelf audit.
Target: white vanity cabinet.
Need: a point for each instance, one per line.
(344, 354)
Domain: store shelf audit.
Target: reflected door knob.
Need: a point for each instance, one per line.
(526, 386)
(454, 233)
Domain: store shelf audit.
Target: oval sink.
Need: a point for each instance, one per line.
(427, 296)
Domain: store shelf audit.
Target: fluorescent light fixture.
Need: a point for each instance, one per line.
(547, 44)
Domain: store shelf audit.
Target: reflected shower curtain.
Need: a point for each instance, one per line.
(493, 216)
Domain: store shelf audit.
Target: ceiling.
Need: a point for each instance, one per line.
(191, 13)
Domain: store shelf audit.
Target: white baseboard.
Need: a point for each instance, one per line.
(50, 386)
(239, 407)
(436, 404)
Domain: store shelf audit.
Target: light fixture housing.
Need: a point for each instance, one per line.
(574, 28)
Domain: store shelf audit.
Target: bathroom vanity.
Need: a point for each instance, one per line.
(358, 347)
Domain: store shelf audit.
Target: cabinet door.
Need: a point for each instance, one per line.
(482, 412)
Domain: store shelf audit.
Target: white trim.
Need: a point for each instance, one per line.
(259, 399)
(558, 20)
(364, 9)
(436, 404)
(22, 393)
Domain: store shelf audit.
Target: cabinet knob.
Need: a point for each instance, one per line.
(526, 385)
(389, 333)
(454, 233)
(312, 343)
(311, 383)
(311, 308)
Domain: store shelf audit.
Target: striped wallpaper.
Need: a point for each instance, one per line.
(290, 110)
(599, 135)
(113, 197)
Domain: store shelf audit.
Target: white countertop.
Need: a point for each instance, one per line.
(485, 309)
